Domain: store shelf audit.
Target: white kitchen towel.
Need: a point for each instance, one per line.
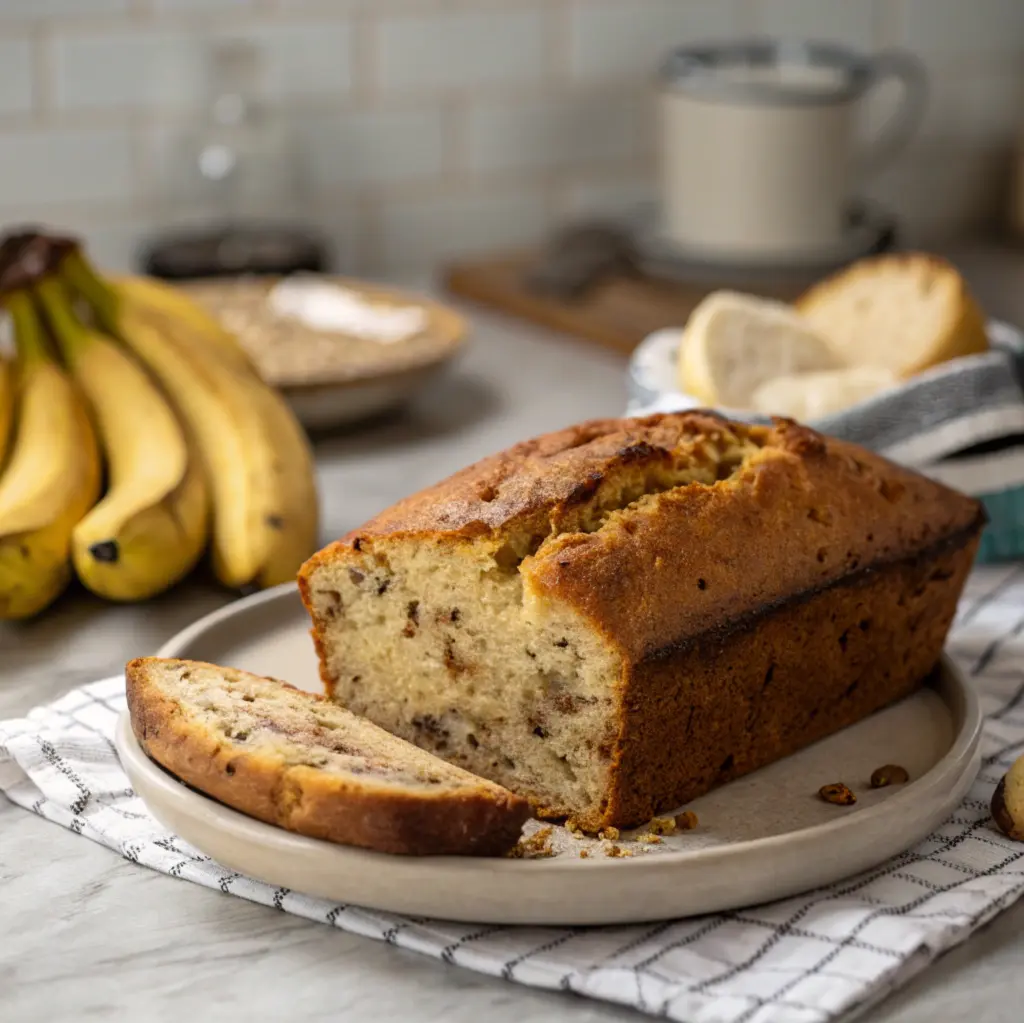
(806, 959)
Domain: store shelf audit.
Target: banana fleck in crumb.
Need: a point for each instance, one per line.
(611, 834)
(686, 821)
(662, 826)
(536, 847)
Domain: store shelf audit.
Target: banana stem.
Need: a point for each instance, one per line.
(28, 331)
(70, 334)
(77, 272)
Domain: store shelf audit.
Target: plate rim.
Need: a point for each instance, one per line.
(952, 766)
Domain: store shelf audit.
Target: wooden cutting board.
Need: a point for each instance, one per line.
(617, 313)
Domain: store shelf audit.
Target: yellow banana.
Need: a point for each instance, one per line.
(158, 296)
(291, 533)
(256, 470)
(52, 478)
(151, 527)
(6, 405)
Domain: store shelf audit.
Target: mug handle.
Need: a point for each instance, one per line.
(906, 119)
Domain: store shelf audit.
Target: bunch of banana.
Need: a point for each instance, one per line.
(52, 476)
(200, 453)
(257, 458)
(150, 528)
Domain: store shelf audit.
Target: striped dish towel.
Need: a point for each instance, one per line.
(806, 959)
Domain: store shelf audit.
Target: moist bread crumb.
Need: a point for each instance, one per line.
(615, 618)
(662, 826)
(535, 846)
(293, 759)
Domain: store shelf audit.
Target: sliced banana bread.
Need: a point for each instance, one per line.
(293, 759)
(906, 311)
(614, 618)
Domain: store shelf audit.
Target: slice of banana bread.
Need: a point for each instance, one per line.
(614, 618)
(293, 759)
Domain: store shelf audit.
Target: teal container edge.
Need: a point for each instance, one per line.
(1003, 537)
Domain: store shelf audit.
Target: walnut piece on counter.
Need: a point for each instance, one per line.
(1008, 802)
(686, 821)
(837, 793)
(889, 774)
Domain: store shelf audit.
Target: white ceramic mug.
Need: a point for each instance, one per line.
(759, 144)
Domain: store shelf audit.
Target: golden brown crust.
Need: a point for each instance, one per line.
(803, 513)
(735, 700)
(533, 481)
(483, 821)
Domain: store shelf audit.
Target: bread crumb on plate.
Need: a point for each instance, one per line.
(536, 846)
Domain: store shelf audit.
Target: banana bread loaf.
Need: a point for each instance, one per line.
(612, 619)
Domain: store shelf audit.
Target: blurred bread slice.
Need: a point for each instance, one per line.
(810, 396)
(734, 342)
(905, 311)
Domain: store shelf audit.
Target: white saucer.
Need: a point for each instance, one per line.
(762, 837)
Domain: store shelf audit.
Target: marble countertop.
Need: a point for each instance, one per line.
(89, 936)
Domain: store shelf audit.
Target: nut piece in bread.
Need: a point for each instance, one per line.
(734, 342)
(904, 311)
(616, 617)
(292, 759)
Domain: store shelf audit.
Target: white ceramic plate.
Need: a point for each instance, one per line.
(761, 837)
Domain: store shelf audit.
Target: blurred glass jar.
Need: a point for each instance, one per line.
(222, 177)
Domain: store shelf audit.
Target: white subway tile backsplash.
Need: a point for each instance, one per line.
(630, 39)
(990, 105)
(460, 48)
(302, 59)
(560, 131)
(850, 22)
(170, 67)
(416, 233)
(965, 26)
(63, 166)
(631, 197)
(364, 148)
(15, 76)
(49, 8)
(129, 68)
(549, 101)
(197, 6)
(939, 189)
